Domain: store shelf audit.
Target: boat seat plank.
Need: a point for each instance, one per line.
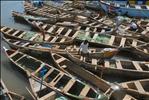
(85, 90)
(124, 85)
(54, 39)
(119, 65)
(9, 31)
(16, 42)
(31, 39)
(60, 60)
(2, 29)
(56, 79)
(94, 61)
(60, 30)
(92, 23)
(122, 41)
(20, 58)
(76, 33)
(15, 33)
(139, 86)
(13, 54)
(25, 44)
(21, 34)
(95, 30)
(49, 96)
(111, 40)
(127, 97)
(94, 37)
(38, 69)
(107, 64)
(44, 26)
(51, 29)
(47, 37)
(87, 29)
(68, 85)
(134, 43)
(48, 73)
(87, 33)
(79, 28)
(145, 50)
(137, 66)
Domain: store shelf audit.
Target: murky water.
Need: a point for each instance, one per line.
(14, 80)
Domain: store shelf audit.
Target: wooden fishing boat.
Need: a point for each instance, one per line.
(141, 11)
(92, 37)
(53, 77)
(66, 65)
(42, 92)
(141, 51)
(34, 36)
(46, 48)
(23, 17)
(48, 12)
(8, 95)
(118, 67)
(139, 88)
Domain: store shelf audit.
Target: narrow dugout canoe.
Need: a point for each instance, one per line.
(33, 36)
(46, 48)
(23, 17)
(117, 67)
(112, 90)
(8, 95)
(53, 77)
(92, 37)
(138, 88)
(43, 92)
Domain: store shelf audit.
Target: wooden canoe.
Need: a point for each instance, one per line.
(118, 67)
(139, 11)
(23, 17)
(8, 95)
(33, 36)
(60, 49)
(138, 88)
(92, 37)
(48, 12)
(43, 92)
(66, 65)
(52, 77)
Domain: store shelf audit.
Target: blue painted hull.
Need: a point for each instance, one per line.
(132, 12)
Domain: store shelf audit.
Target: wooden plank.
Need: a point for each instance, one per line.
(94, 37)
(87, 34)
(79, 28)
(44, 26)
(15, 33)
(16, 42)
(25, 44)
(85, 90)
(31, 39)
(9, 30)
(124, 85)
(67, 33)
(139, 86)
(95, 30)
(2, 29)
(13, 54)
(119, 65)
(134, 43)
(49, 96)
(20, 58)
(87, 29)
(60, 60)
(56, 79)
(68, 85)
(51, 29)
(137, 66)
(123, 40)
(54, 39)
(76, 33)
(94, 61)
(48, 73)
(60, 30)
(112, 40)
(21, 34)
(127, 97)
(107, 64)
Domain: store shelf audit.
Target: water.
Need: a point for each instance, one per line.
(14, 80)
